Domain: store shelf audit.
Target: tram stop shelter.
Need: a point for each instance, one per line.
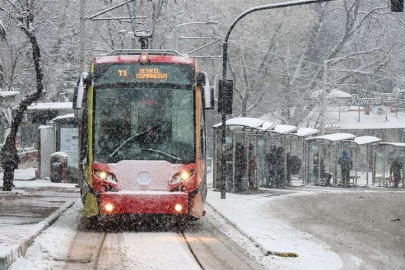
(385, 155)
(245, 149)
(362, 150)
(292, 141)
(322, 155)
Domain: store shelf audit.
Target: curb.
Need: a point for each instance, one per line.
(264, 251)
(20, 251)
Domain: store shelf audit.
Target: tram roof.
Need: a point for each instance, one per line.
(334, 137)
(121, 59)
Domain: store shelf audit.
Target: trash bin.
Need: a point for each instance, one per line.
(59, 161)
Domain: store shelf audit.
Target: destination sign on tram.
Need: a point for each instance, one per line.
(136, 73)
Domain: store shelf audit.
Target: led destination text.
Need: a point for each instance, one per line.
(145, 74)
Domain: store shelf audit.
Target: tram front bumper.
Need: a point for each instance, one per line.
(144, 202)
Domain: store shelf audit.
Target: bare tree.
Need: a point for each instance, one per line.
(22, 13)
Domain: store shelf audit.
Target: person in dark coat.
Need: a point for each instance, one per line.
(346, 165)
(271, 159)
(240, 166)
(280, 167)
(252, 170)
(396, 167)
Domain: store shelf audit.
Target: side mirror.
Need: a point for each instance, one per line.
(78, 95)
(207, 90)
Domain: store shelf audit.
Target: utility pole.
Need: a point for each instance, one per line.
(82, 34)
(224, 71)
(323, 117)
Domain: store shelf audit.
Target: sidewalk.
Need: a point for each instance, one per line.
(29, 209)
(252, 216)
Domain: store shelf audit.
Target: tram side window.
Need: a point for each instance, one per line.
(182, 116)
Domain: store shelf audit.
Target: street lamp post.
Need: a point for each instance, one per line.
(224, 70)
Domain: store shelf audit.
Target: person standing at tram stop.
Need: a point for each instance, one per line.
(252, 171)
(280, 167)
(240, 166)
(395, 171)
(346, 165)
(271, 159)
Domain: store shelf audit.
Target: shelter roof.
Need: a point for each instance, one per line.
(334, 137)
(284, 129)
(366, 140)
(394, 144)
(50, 106)
(266, 126)
(66, 116)
(244, 122)
(303, 132)
(8, 93)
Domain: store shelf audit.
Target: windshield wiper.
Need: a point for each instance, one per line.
(132, 138)
(161, 152)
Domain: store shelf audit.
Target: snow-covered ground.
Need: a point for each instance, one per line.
(329, 228)
(54, 243)
(248, 213)
(23, 209)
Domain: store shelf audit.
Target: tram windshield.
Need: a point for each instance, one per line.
(144, 124)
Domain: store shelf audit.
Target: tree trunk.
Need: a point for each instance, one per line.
(9, 155)
(9, 162)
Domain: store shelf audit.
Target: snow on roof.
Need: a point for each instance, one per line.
(334, 93)
(270, 117)
(243, 121)
(303, 132)
(266, 126)
(44, 127)
(62, 154)
(66, 116)
(366, 139)
(394, 144)
(284, 129)
(9, 93)
(334, 137)
(44, 106)
(339, 94)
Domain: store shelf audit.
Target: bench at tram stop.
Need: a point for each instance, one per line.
(353, 180)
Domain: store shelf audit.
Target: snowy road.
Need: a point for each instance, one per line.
(133, 244)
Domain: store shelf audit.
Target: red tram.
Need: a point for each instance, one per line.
(142, 134)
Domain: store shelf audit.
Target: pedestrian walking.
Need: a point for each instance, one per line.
(346, 165)
(396, 167)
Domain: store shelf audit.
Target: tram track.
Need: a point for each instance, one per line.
(191, 250)
(196, 246)
(97, 259)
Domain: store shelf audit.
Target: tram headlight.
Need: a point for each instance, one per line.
(182, 176)
(105, 176)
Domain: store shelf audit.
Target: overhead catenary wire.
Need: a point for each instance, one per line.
(238, 43)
